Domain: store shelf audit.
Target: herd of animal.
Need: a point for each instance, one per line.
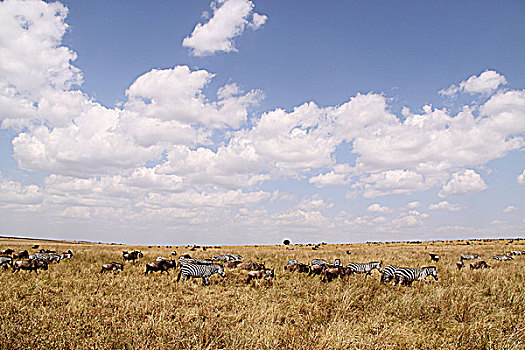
(205, 268)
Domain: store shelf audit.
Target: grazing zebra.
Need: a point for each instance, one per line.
(227, 257)
(200, 271)
(183, 261)
(6, 261)
(319, 262)
(407, 275)
(388, 273)
(292, 262)
(364, 268)
(337, 262)
(469, 257)
(47, 257)
(503, 257)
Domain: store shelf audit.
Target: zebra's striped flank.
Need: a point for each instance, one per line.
(200, 271)
(407, 275)
(364, 268)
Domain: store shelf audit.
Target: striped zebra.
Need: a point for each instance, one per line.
(364, 268)
(47, 257)
(337, 262)
(388, 273)
(407, 275)
(503, 257)
(319, 262)
(200, 271)
(183, 261)
(292, 262)
(469, 257)
(6, 261)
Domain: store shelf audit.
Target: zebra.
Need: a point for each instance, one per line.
(200, 271)
(47, 257)
(503, 257)
(227, 257)
(364, 268)
(469, 257)
(407, 275)
(183, 261)
(337, 262)
(319, 262)
(388, 273)
(6, 261)
(292, 262)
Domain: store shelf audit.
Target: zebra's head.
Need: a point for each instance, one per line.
(432, 271)
(376, 265)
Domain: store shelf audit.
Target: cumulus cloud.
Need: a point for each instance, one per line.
(229, 20)
(521, 179)
(485, 83)
(377, 208)
(463, 183)
(444, 205)
(15, 195)
(510, 209)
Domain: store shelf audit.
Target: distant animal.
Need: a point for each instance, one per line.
(23, 254)
(66, 255)
(479, 265)
(331, 272)
(348, 252)
(44, 256)
(317, 269)
(503, 257)
(112, 266)
(132, 256)
(364, 268)
(160, 265)
(289, 248)
(187, 260)
(7, 251)
(336, 262)
(301, 268)
(515, 252)
(174, 253)
(388, 273)
(460, 264)
(267, 274)
(29, 265)
(407, 275)
(36, 246)
(252, 266)
(291, 262)
(200, 271)
(6, 262)
(227, 257)
(434, 257)
(232, 264)
(469, 257)
(319, 262)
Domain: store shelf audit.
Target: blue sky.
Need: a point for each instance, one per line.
(240, 121)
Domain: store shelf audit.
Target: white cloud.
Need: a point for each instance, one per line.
(377, 208)
(510, 209)
(230, 18)
(15, 195)
(485, 83)
(463, 183)
(413, 205)
(521, 179)
(444, 205)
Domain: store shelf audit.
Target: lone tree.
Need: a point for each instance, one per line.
(286, 242)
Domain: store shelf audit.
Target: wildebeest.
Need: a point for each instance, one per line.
(174, 253)
(434, 257)
(301, 268)
(252, 266)
(134, 255)
(331, 272)
(6, 252)
(23, 254)
(160, 265)
(31, 265)
(479, 265)
(317, 269)
(460, 264)
(232, 264)
(267, 274)
(47, 257)
(348, 252)
(112, 266)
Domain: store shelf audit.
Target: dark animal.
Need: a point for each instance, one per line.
(35, 246)
(23, 254)
(348, 252)
(364, 268)
(200, 271)
(112, 266)
(301, 268)
(66, 255)
(174, 253)
(460, 264)
(160, 265)
(31, 265)
(479, 265)
(252, 266)
(7, 252)
(407, 275)
(434, 257)
(232, 264)
(331, 272)
(267, 274)
(134, 255)
(317, 269)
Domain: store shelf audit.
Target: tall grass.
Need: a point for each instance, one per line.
(72, 306)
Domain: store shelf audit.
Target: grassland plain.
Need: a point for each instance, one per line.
(72, 306)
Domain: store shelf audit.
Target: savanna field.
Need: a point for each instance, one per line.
(73, 306)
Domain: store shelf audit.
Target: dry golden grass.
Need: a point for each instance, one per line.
(72, 306)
